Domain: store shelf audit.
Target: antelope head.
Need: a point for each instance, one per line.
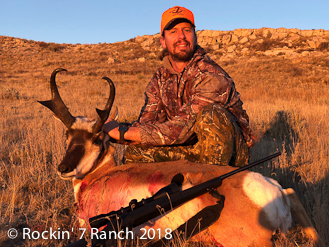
(85, 138)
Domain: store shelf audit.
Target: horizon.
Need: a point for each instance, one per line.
(153, 35)
(90, 22)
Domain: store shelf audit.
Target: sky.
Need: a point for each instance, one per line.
(100, 21)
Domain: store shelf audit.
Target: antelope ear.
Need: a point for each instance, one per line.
(106, 141)
(115, 115)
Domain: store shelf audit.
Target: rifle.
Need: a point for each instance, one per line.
(167, 198)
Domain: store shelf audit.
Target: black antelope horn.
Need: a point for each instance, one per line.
(56, 104)
(104, 114)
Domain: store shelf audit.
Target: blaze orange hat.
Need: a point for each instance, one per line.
(174, 13)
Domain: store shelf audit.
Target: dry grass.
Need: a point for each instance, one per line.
(286, 99)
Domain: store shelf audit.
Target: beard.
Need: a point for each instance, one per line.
(183, 56)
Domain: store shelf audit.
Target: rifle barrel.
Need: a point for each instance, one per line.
(251, 165)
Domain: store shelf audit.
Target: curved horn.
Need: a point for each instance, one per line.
(56, 104)
(104, 114)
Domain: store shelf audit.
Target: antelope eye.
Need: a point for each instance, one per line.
(97, 141)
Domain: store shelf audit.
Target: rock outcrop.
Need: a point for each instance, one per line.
(289, 43)
(264, 41)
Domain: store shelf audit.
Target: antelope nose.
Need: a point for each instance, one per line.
(63, 168)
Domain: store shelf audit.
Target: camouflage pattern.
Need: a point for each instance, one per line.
(219, 141)
(173, 101)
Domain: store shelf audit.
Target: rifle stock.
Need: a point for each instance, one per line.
(168, 198)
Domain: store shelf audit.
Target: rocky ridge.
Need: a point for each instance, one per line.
(264, 41)
(221, 45)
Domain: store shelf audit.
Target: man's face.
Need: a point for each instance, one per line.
(180, 41)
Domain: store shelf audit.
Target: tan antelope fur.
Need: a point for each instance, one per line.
(255, 206)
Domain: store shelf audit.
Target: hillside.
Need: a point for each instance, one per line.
(281, 74)
(240, 42)
(304, 51)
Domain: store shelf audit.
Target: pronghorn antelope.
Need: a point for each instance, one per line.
(255, 206)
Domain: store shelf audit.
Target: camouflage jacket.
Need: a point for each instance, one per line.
(174, 99)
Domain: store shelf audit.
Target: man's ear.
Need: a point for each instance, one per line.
(163, 42)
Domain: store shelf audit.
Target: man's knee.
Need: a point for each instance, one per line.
(215, 117)
(220, 137)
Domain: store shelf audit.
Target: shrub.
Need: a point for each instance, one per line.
(51, 46)
(268, 44)
(11, 94)
(43, 44)
(323, 46)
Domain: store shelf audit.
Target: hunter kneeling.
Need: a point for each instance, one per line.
(192, 110)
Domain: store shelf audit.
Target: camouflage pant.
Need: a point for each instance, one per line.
(219, 142)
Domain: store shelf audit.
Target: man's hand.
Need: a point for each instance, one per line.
(110, 125)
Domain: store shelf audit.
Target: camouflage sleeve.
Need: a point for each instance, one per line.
(225, 94)
(153, 110)
(208, 88)
(213, 88)
(172, 131)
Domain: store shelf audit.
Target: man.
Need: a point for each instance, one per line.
(192, 109)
